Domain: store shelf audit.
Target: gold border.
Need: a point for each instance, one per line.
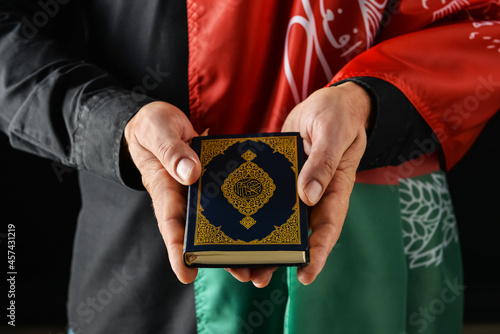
(285, 234)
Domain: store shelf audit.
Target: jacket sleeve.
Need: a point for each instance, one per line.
(52, 102)
(397, 132)
(446, 63)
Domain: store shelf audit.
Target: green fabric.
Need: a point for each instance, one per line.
(225, 305)
(395, 269)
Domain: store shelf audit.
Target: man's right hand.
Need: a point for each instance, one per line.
(158, 138)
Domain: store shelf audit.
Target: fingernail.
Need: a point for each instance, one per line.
(313, 191)
(184, 168)
(257, 284)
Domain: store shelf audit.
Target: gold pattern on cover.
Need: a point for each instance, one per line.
(248, 188)
(288, 233)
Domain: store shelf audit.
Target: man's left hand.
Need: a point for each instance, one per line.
(333, 122)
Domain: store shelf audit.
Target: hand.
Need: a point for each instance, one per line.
(332, 121)
(157, 138)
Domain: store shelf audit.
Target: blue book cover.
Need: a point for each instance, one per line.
(244, 210)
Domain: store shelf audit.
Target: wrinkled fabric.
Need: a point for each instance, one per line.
(396, 268)
(442, 56)
(399, 270)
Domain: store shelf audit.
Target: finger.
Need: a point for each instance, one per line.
(165, 131)
(241, 274)
(262, 276)
(292, 121)
(329, 121)
(181, 162)
(324, 145)
(326, 222)
(292, 124)
(327, 218)
(169, 204)
(318, 170)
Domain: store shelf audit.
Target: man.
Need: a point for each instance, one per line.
(118, 90)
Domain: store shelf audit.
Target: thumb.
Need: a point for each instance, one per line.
(165, 131)
(317, 172)
(179, 160)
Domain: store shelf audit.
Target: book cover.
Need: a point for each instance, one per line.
(244, 210)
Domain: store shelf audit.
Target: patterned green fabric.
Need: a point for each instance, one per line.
(395, 269)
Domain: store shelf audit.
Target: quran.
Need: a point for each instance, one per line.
(244, 210)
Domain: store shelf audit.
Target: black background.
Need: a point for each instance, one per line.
(41, 198)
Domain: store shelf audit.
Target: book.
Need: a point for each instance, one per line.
(244, 210)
